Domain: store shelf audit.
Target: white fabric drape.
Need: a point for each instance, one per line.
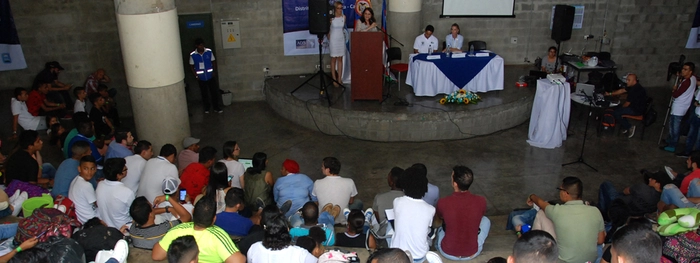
(550, 115)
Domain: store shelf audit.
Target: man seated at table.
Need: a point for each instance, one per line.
(425, 42)
(636, 103)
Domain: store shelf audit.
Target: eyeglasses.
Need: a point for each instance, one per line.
(562, 189)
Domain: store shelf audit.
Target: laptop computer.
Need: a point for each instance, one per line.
(585, 89)
(246, 162)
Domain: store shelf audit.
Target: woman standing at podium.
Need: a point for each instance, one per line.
(367, 22)
(454, 40)
(336, 39)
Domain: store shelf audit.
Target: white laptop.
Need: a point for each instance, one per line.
(585, 89)
(247, 163)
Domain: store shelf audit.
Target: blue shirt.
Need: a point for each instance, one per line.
(117, 150)
(233, 223)
(295, 187)
(65, 174)
(95, 153)
(454, 43)
(202, 64)
(301, 231)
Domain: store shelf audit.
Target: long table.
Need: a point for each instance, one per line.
(430, 77)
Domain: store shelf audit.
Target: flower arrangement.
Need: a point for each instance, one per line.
(461, 96)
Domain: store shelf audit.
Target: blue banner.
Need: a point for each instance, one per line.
(295, 19)
(11, 55)
(694, 36)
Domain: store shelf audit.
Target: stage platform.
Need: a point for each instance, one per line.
(424, 119)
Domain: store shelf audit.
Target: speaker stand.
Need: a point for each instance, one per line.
(323, 87)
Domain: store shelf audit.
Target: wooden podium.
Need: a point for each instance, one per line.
(367, 65)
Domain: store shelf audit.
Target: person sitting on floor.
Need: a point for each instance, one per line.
(136, 163)
(113, 197)
(355, 234)
(688, 195)
(293, 189)
(145, 233)
(183, 250)
(229, 220)
(334, 189)
(277, 245)
(26, 164)
(431, 197)
(21, 115)
(535, 246)
(310, 217)
(81, 191)
(69, 169)
(385, 201)
(413, 217)
(196, 176)
(189, 154)
(120, 147)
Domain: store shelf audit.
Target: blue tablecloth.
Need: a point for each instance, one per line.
(459, 70)
(446, 75)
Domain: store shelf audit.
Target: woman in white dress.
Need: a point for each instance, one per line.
(336, 39)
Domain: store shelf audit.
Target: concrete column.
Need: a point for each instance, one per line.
(150, 44)
(404, 23)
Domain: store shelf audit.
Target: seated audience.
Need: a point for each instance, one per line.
(355, 234)
(145, 233)
(21, 115)
(39, 105)
(535, 246)
(68, 169)
(78, 118)
(413, 217)
(85, 132)
(426, 42)
(688, 194)
(431, 197)
(95, 237)
(136, 163)
(308, 243)
(95, 79)
(385, 201)
(235, 169)
(189, 155)
(465, 226)
(81, 191)
(110, 106)
(104, 128)
(28, 247)
(56, 134)
(217, 184)
(183, 250)
(229, 220)
(156, 170)
(26, 164)
(120, 146)
(334, 189)
(196, 176)
(214, 244)
(277, 246)
(519, 218)
(57, 91)
(454, 40)
(258, 182)
(292, 188)
(579, 228)
(257, 234)
(113, 197)
(636, 243)
(550, 61)
(389, 255)
(80, 96)
(310, 217)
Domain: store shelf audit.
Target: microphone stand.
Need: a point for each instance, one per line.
(583, 145)
(388, 90)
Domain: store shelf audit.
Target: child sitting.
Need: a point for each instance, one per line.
(355, 236)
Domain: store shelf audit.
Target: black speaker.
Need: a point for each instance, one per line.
(563, 22)
(319, 19)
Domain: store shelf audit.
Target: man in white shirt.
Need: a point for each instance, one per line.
(21, 115)
(413, 217)
(113, 196)
(136, 164)
(334, 189)
(682, 98)
(81, 192)
(80, 95)
(156, 170)
(426, 41)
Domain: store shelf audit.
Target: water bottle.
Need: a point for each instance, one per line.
(471, 49)
(430, 49)
(448, 50)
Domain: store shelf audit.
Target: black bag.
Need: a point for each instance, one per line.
(650, 117)
(608, 120)
(62, 250)
(96, 238)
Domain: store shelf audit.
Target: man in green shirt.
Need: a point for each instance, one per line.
(579, 227)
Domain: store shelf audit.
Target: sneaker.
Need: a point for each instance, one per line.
(652, 217)
(206, 112)
(259, 203)
(624, 131)
(286, 206)
(18, 203)
(219, 111)
(14, 196)
(346, 212)
(669, 172)
(632, 131)
(669, 149)
(682, 155)
(121, 251)
(368, 215)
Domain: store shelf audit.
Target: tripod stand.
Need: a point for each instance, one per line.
(585, 133)
(323, 87)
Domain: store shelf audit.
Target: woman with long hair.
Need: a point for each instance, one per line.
(276, 245)
(367, 22)
(258, 182)
(218, 186)
(235, 168)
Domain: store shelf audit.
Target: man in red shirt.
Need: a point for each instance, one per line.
(196, 175)
(688, 195)
(465, 228)
(37, 104)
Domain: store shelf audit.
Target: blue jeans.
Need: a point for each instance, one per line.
(520, 217)
(48, 171)
(672, 195)
(674, 130)
(693, 138)
(8, 230)
(324, 218)
(484, 227)
(619, 111)
(606, 195)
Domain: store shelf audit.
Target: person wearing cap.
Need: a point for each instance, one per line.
(113, 197)
(635, 200)
(189, 155)
(143, 151)
(688, 195)
(58, 91)
(156, 170)
(196, 176)
(293, 186)
(144, 231)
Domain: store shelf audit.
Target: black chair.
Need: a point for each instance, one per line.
(478, 45)
(642, 118)
(394, 53)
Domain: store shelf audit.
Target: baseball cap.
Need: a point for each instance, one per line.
(170, 185)
(187, 142)
(54, 64)
(659, 176)
(291, 166)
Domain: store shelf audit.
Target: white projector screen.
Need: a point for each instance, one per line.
(478, 8)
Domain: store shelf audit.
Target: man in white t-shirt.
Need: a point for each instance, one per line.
(682, 98)
(426, 41)
(156, 170)
(113, 196)
(334, 189)
(81, 192)
(413, 217)
(21, 114)
(136, 164)
(80, 96)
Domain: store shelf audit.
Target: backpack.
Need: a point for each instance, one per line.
(65, 205)
(650, 117)
(45, 223)
(682, 247)
(608, 120)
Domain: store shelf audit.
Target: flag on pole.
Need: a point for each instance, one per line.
(694, 36)
(10, 50)
(386, 39)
